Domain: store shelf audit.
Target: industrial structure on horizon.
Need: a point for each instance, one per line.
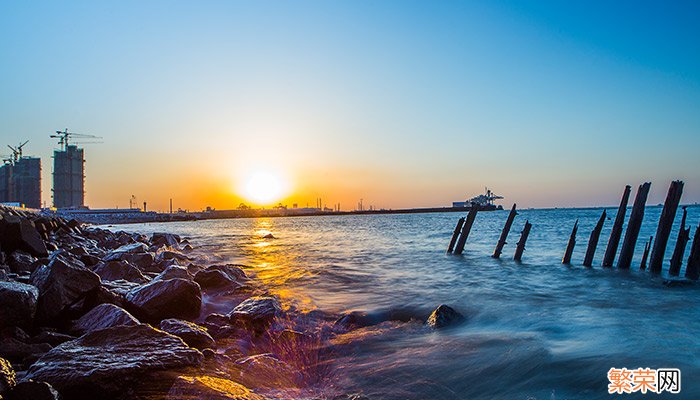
(20, 176)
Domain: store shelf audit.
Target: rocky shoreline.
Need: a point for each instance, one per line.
(88, 313)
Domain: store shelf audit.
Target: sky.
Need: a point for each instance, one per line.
(399, 103)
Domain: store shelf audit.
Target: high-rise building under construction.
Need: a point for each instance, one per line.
(69, 177)
(20, 179)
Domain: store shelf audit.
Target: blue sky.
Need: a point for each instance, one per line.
(401, 103)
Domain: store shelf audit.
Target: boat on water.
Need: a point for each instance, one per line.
(485, 202)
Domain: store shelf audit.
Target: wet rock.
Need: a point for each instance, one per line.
(21, 262)
(256, 312)
(174, 271)
(355, 320)
(78, 251)
(141, 260)
(33, 390)
(210, 279)
(20, 234)
(158, 300)
(61, 284)
(119, 287)
(210, 388)
(102, 317)
(266, 371)
(89, 260)
(7, 376)
(173, 255)
(269, 236)
(132, 248)
(52, 338)
(18, 351)
(116, 270)
(165, 239)
(18, 303)
(194, 335)
(187, 248)
(104, 363)
(444, 316)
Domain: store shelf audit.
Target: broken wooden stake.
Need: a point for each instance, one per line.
(466, 229)
(692, 270)
(570, 245)
(455, 235)
(521, 243)
(663, 230)
(504, 234)
(593, 241)
(643, 264)
(633, 226)
(679, 250)
(616, 232)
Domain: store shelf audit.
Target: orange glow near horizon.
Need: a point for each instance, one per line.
(264, 187)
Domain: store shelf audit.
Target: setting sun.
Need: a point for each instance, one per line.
(263, 187)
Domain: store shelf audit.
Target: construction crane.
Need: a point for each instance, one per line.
(64, 135)
(16, 152)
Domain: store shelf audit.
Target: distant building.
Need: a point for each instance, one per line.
(69, 177)
(20, 182)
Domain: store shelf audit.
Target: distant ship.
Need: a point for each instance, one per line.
(484, 201)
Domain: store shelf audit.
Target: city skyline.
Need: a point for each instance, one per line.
(398, 103)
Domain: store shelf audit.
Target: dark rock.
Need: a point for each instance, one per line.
(18, 303)
(444, 316)
(119, 287)
(174, 271)
(355, 320)
(103, 316)
(158, 300)
(116, 270)
(232, 271)
(32, 390)
(20, 234)
(194, 335)
(165, 239)
(211, 388)
(61, 284)
(78, 251)
(141, 260)
(89, 260)
(105, 363)
(132, 248)
(7, 376)
(21, 261)
(52, 338)
(211, 278)
(173, 255)
(187, 248)
(269, 236)
(256, 312)
(18, 351)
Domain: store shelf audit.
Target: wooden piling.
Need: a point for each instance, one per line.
(521, 243)
(692, 270)
(643, 264)
(593, 241)
(466, 229)
(663, 230)
(616, 232)
(679, 250)
(504, 234)
(455, 235)
(633, 226)
(570, 245)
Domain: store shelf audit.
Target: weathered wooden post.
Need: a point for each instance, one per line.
(616, 232)
(570, 245)
(665, 224)
(504, 234)
(466, 229)
(679, 250)
(593, 241)
(643, 264)
(633, 226)
(455, 235)
(692, 270)
(521, 243)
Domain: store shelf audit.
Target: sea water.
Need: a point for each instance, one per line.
(534, 329)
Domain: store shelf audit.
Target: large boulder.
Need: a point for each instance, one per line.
(21, 262)
(194, 335)
(62, 283)
(104, 363)
(121, 251)
(102, 317)
(33, 390)
(20, 234)
(18, 303)
(7, 376)
(141, 260)
(444, 316)
(174, 271)
(217, 276)
(256, 313)
(158, 300)
(116, 270)
(165, 239)
(211, 388)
